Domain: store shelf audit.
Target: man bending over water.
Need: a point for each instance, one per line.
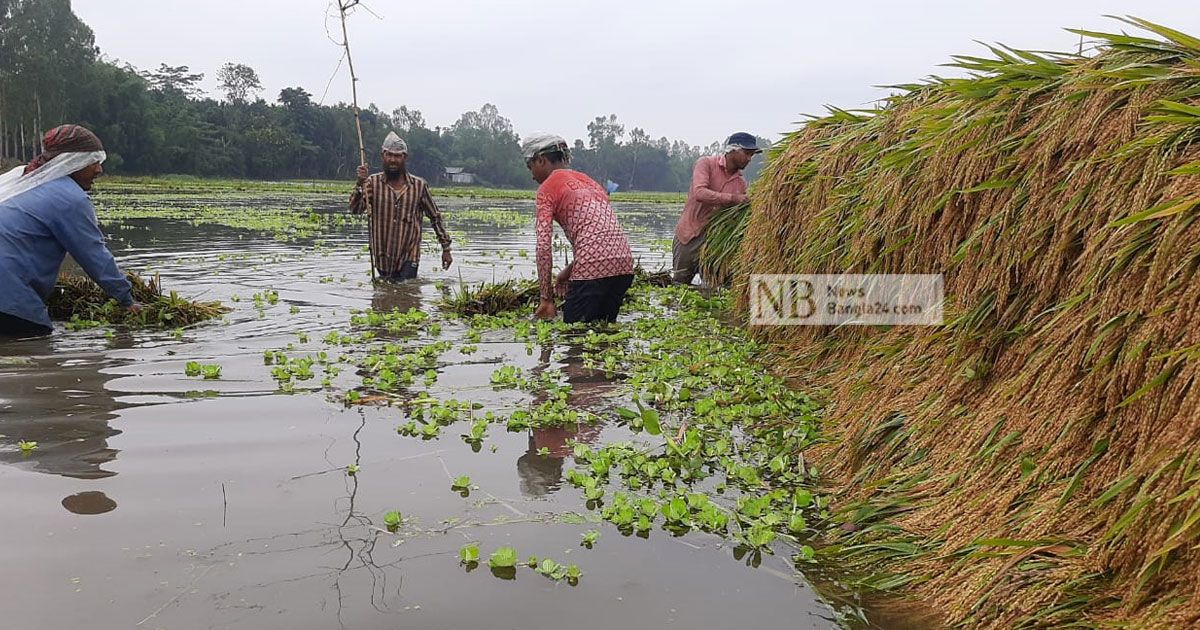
(45, 213)
(602, 267)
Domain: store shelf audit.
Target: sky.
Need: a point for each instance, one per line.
(692, 70)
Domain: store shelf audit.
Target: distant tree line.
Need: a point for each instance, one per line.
(161, 122)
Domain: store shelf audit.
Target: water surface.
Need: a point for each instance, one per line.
(158, 500)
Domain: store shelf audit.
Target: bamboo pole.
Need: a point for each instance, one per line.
(343, 6)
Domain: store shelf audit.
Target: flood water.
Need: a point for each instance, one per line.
(159, 500)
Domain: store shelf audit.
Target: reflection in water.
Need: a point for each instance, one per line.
(91, 502)
(56, 396)
(357, 535)
(69, 446)
(388, 296)
(541, 474)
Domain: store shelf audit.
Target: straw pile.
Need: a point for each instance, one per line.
(1036, 461)
(77, 298)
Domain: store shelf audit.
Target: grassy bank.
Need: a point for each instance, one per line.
(1034, 461)
(188, 185)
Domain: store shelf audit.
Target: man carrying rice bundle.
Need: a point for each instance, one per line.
(717, 183)
(45, 214)
(596, 280)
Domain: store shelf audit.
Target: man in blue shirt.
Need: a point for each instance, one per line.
(45, 214)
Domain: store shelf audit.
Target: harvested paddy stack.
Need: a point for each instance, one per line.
(1035, 461)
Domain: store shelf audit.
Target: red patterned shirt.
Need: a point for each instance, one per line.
(581, 207)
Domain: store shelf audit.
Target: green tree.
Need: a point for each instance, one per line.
(484, 143)
(604, 139)
(175, 80)
(239, 82)
(46, 50)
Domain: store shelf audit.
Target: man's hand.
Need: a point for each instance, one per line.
(447, 259)
(741, 198)
(363, 172)
(561, 283)
(135, 308)
(545, 310)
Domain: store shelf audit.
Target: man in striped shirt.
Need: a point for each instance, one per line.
(396, 200)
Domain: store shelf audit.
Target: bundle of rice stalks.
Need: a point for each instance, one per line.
(1036, 461)
(722, 241)
(492, 299)
(83, 303)
(660, 278)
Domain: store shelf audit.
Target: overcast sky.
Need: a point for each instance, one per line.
(693, 70)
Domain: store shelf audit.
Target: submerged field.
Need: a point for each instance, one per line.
(333, 453)
(182, 184)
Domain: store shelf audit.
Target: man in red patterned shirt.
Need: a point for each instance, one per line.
(595, 282)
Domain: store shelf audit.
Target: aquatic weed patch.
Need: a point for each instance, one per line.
(281, 218)
(716, 442)
(189, 185)
(726, 436)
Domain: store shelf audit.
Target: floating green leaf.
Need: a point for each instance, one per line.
(503, 558)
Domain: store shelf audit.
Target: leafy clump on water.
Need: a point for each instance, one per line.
(504, 563)
(726, 438)
(83, 304)
(490, 299)
(209, 371)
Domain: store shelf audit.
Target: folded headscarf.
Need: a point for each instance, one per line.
(540, 143)
(68, 149)
(64, 139)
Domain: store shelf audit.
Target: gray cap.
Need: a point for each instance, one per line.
(394, 143)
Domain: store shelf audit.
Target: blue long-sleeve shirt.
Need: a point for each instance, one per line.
(37, 229)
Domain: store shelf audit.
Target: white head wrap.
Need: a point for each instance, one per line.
(540, 143)
(394, 143)
(15, 182)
